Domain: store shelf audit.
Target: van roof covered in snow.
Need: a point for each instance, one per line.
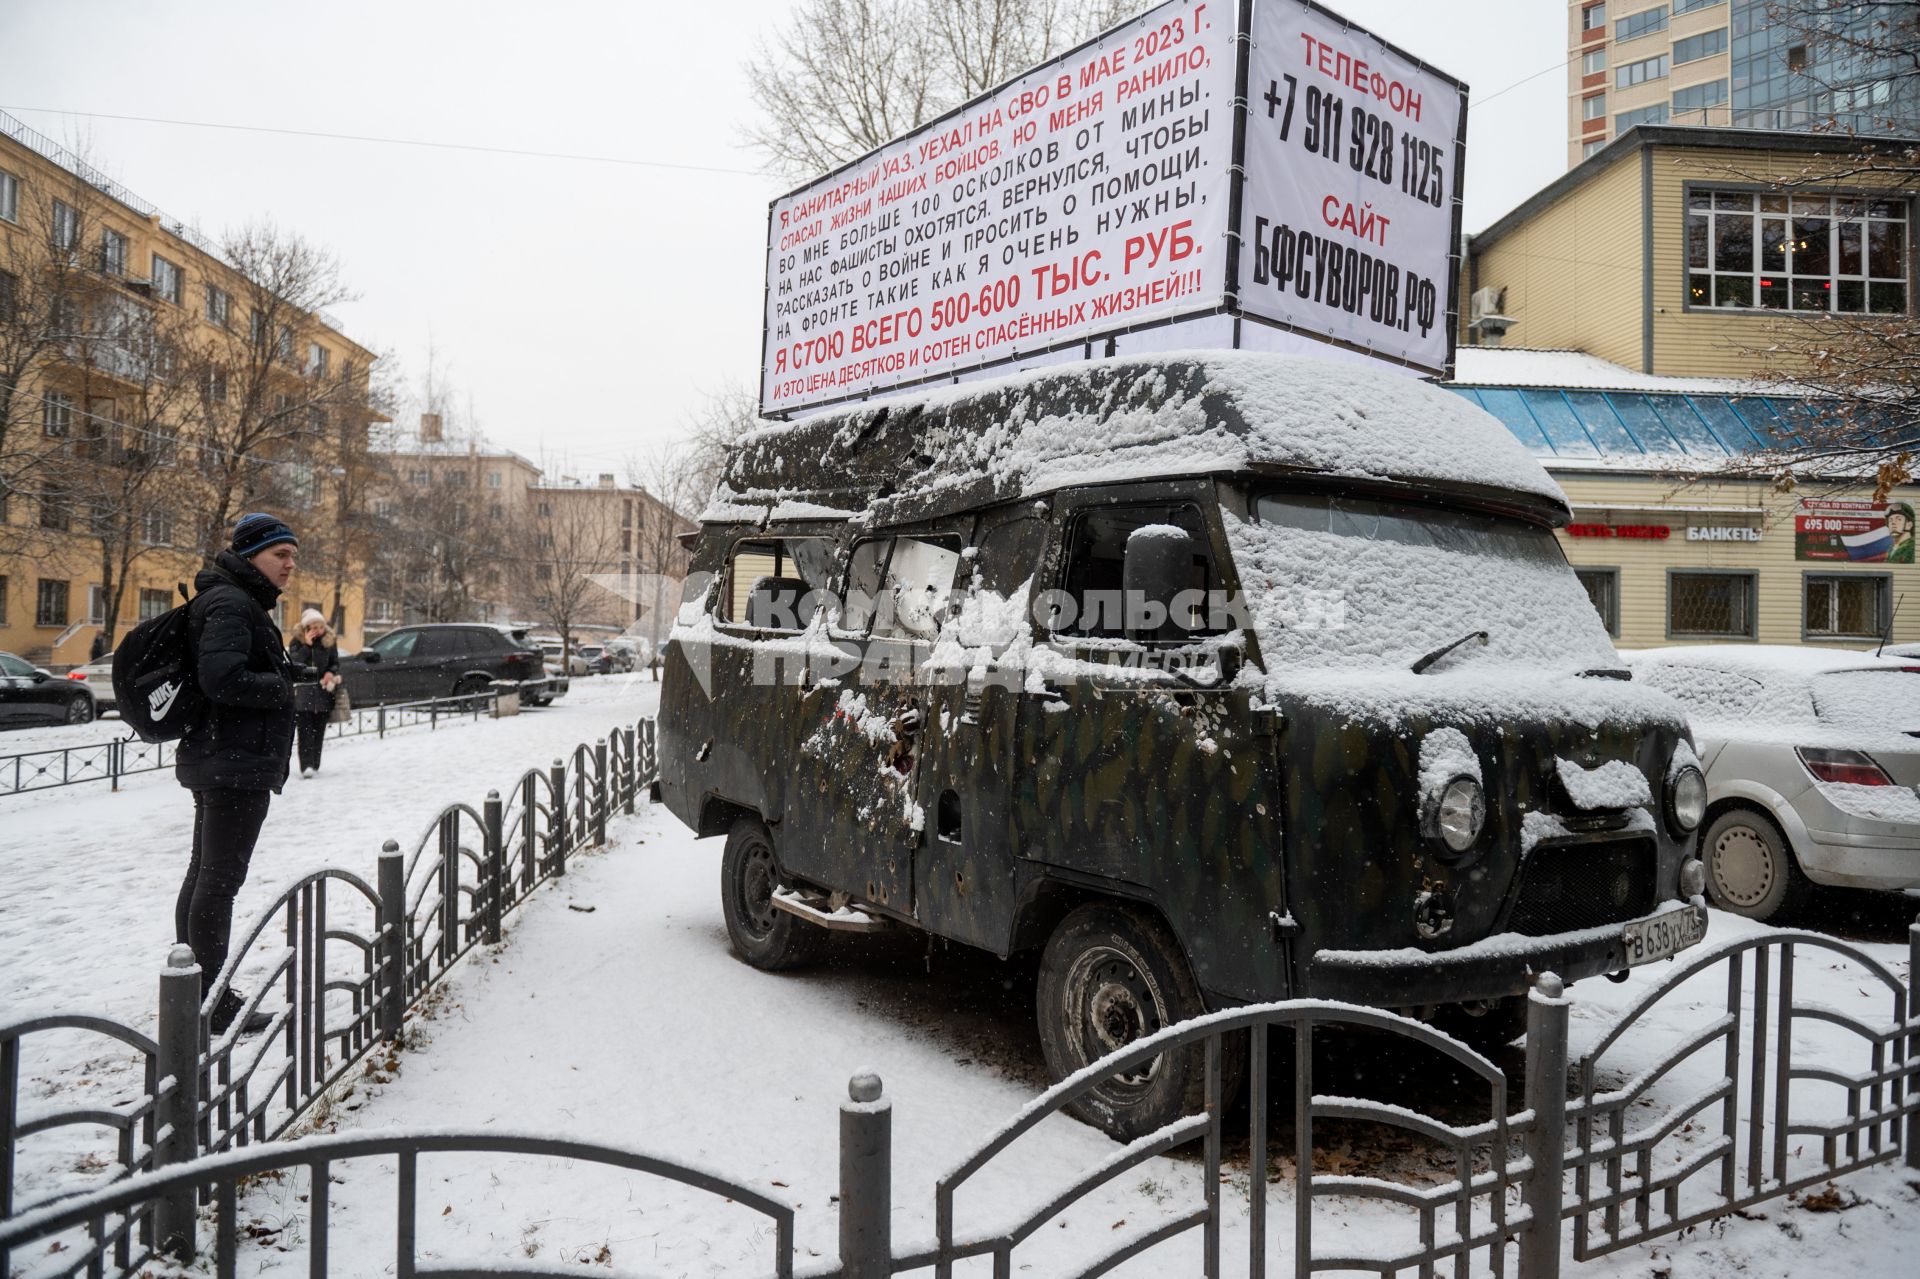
(1139, 417)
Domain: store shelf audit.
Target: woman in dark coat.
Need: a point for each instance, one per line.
(313, 697)
(234, 758)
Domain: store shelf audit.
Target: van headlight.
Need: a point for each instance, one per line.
(1686, 799)
(1460, 814)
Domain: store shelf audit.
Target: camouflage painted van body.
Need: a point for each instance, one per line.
(1277, 834)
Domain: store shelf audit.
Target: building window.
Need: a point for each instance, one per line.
(9, 296)
(1748, 250)
(1703, 605)
(1640, 72)
(3, 599)
(317, 359)
(1593, 17)
(1688, 6)
(166, 280)
(1852, 607)
(54, 511)
(50, 609)
(9, 196)
(543, 509)
(1603, 588)
(1700, 97)
(66, 225)
(1704, 45)
(1593, 148)
(1594, 61)
(96, 605)
(1655, 114)
(257, 329)
(455, 479)
(153, 603)
(1594, 108)
(420, 477)
(213, 386)
(219, 306)
(56, 414)
(493, 479)
(113, 251)
(1644, 23)
(283, 345)
(156, 528)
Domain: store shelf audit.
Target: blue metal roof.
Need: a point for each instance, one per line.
(1557, 422)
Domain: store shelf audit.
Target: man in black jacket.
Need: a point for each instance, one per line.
(234, 759)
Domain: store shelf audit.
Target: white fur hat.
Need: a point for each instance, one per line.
(311, 616)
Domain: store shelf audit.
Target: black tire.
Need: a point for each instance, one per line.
(768, 938)
(1487, 1029)
(1112, 974)
(80, 710)
(540, 701)
(1751, 869)
(472, 686)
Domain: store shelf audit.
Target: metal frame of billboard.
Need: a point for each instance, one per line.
(1229, 305)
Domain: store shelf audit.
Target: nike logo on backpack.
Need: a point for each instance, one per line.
(161, 700)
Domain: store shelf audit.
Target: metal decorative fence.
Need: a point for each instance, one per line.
(110, 761)
(354, 956)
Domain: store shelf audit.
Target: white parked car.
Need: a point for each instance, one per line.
(1812, 759)
(557, 660)
(98, 677)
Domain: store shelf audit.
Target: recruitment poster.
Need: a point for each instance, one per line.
(1853, 530)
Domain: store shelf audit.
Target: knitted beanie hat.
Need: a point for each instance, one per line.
(257, 531)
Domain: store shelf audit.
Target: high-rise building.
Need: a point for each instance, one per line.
(1729, 63)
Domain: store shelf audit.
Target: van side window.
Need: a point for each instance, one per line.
(776, 583)
(1096, 555)
(899, 587)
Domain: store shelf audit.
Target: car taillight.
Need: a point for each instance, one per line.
(79, 675)
(1853, 767)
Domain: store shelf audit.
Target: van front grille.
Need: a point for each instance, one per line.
(1569, 886)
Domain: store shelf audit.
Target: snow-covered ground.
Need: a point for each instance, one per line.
(614, 1013)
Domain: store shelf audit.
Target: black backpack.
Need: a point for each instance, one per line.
(153, 681)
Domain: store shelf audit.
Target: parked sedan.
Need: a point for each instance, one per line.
(98, 677)
(30, 695)
(441, 660)
(1812, 764)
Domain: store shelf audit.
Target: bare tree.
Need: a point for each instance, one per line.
(677, 483)
(844, 76)
(567, 550)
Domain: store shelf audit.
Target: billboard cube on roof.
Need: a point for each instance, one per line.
(1097, 194)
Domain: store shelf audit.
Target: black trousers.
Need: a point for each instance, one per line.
(226, 824)
(313, 735)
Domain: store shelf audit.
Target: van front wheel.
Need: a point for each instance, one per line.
(1111, 975)
(768, 938)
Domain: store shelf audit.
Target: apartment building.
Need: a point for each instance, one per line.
(1723, 63)
(119, 328)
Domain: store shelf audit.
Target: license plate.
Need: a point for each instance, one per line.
(1663, 936)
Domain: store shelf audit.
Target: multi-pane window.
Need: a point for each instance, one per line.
(1593, 148)
(167, 280)
(493, 479)
(50, 607)
(213, 386)
(1655, 114)
(113, 251)
(1593, 17)
(9, 296)
(56, 414)
(317, 359)
(55, 512)
(96, 604)
(219, 306)
(156, 528)
(1603, 588)
(1700, 97)
(776, 584)
(153, 603)
(1704, 45)
(283, 344)
(1640, 72)
(66, 225)
(1594, 61)
(9, 196)
(1845, 607)
(3, 599)
(1646, 22)
(423, 478)
(1593, 108)
(1710, 605)
(1778, 252)
(1688, 6)
(257, 328)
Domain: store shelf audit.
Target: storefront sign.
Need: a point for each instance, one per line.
(1644, 532)
(1096, 195)
(1699, 533)
(1857, 530)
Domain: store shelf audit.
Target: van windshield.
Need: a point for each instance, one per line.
(1344, 582)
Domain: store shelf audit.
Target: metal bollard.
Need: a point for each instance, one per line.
(628, 742)
(177, 1117)
(1913, 1043)
(1546, 1141)
(529, 831)
(393, 940)
(496, 866)
(380, 721)
(866, 1180)
(601, 801)
(557, 837)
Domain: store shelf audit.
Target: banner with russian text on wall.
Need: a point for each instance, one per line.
(1097, 194)
(1857, 530)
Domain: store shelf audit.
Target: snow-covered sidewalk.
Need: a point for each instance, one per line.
(614, 1013)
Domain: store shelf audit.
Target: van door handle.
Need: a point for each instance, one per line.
(1050, 694)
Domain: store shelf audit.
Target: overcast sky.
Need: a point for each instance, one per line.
(583, 308)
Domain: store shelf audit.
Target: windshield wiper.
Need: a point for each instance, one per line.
(1444, 649)
(1607, 672)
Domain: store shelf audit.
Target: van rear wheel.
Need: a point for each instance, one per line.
(766, 937)
(1111, 975)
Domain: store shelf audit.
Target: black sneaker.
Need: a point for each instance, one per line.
(231, 1002)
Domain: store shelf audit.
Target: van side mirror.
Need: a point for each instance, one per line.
(1157, 567)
